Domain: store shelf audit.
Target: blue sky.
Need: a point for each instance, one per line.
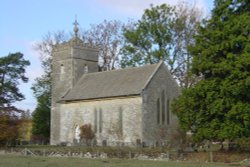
(25, 22)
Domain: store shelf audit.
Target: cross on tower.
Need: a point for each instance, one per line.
(76, 27)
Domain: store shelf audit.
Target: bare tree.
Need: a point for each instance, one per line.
(185, 28)
(44, 47)
(107, 36)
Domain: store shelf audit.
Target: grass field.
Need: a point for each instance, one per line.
(22, 161)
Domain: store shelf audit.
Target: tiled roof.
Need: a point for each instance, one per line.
(122, 82)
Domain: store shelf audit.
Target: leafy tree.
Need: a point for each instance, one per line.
(41, 118)
(218, 108)
(9, 123)
(25, 126)
(163, 33)
(12, 71)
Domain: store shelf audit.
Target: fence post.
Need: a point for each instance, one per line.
(25, 151)
(211, 159)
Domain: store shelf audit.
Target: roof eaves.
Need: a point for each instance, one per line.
(97, 98)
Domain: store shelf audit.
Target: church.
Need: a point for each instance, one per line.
(128, 106)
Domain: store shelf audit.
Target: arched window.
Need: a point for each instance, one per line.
(95, 120)
(168, 112)
(158, 111)
(100, 121)
(163, 109)
(62, 71)
(121, 120)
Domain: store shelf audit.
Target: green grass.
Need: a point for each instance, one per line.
(22, 161)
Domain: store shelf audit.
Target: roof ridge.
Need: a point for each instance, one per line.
(121, 69)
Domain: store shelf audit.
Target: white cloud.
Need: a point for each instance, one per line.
(33, 71)
(136, 7)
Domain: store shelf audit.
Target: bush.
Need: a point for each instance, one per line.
(86, 134)
(244, 144)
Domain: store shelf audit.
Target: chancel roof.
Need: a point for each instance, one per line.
(115, 83)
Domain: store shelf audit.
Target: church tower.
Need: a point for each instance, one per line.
(71, 60)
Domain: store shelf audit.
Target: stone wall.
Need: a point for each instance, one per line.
(116, 120)
(153, 131)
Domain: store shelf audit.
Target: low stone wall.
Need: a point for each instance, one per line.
(226, 157)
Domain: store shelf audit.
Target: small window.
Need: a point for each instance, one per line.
(62, 71)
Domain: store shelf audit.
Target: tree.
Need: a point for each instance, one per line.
(163, 33)
(107, 36)
(12, 71)
(217, 107)
(86, 134)
(25, 127)
(42, 86)
(41, 118)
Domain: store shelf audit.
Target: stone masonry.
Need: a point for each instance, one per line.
(115, 120)
(69, 62)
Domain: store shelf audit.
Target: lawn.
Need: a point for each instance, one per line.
(28, 161)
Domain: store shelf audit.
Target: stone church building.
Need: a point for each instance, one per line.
(128, 106)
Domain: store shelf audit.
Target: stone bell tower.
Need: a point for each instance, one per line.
(71, 60)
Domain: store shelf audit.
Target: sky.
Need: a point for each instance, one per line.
(25, 22)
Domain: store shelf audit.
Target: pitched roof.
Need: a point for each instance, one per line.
(122, 82)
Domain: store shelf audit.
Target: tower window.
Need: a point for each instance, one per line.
(62, 71)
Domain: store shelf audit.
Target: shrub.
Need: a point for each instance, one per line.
(244, 144)
(86, 134)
